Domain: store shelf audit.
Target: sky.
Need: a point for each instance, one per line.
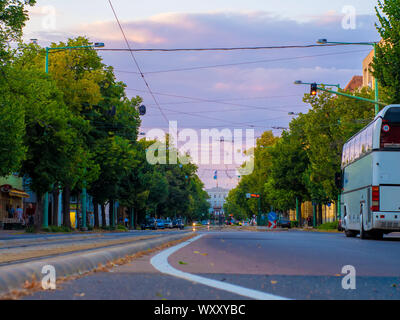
(228, 89)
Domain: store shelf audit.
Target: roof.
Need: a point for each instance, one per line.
(217, 189)
(355, 83)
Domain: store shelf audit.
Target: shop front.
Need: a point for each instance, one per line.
(11, 201)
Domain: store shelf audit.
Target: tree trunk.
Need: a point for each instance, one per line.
(56, 193)
(78, 212)
(103, 215)
(111, 218)
(320, 214)
(66, 207)
(39, 213)
(96, 214)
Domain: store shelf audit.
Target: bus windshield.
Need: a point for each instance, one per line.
(390, 132)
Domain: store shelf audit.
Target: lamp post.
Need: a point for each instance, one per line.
(45, 223)
(373, 44)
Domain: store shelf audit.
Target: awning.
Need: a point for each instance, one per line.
(18, 193)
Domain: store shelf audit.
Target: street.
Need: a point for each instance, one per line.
(287, 264)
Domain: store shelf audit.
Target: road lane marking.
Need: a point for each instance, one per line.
(160, 262)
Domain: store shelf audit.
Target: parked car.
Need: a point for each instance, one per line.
(178, 223)
(284, 223)
(160, 224)
(168, 223)
(149, 224)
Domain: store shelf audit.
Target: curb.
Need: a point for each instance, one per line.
(14, 276)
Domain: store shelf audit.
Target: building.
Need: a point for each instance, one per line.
(217, 200)
(355, 84)
(11, 196)
(368, 78)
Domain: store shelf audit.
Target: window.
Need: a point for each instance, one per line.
(363, 142)
(351, 150)
(392, 115)
(344, 155)
(357, 146)
(369, 137)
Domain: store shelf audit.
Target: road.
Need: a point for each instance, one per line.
(287, 264)
(17, 248)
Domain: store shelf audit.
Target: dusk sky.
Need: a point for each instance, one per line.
(253, 89)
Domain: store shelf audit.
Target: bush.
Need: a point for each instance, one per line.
(294, 224)
(329, 226)
(121, 227)
(56, 229)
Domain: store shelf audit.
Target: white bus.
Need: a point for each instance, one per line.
(370, 199)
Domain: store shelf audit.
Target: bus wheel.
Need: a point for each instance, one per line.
(377, 235)
(350, 234)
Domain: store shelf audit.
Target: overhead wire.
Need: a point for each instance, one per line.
(135, 61)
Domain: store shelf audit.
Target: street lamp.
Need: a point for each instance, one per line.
(84, 194)
(325, 41)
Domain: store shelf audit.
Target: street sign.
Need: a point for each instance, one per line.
(272, 220)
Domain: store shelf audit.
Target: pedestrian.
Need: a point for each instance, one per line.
(30, 212)
(19, 214)
(12, 212)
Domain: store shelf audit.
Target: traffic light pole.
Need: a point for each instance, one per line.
(376, 102)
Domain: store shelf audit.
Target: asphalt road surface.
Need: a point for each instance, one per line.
(287, 264)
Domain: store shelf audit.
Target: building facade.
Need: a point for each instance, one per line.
(11, 197)
(217, 200)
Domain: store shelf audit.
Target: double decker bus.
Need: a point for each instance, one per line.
(370, 200)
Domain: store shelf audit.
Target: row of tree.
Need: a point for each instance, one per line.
(302, 163)
(75, 128)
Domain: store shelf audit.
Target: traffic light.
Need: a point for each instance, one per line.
(142, 110)
(314, 89)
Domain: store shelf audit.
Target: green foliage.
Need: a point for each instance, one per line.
(121, 227)
(12, 124)
(56, 229)
(329, 226)
(386, 65)
(12, 19)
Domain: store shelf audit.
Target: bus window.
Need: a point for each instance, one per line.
(390, 131)
(392, 115)
(363, 142)
(357, 147)
(369, 138)
(344, 155)
(351, 150)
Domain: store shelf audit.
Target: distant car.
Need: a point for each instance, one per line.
(178, 223)
(149, 224)
(160, 224)
(284, 223)
(205, 222)
(168, 223)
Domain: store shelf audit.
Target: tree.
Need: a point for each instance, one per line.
(12, 123)
(386, 64)
(12, 19)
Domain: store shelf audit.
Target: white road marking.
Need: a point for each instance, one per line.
(160, 262)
